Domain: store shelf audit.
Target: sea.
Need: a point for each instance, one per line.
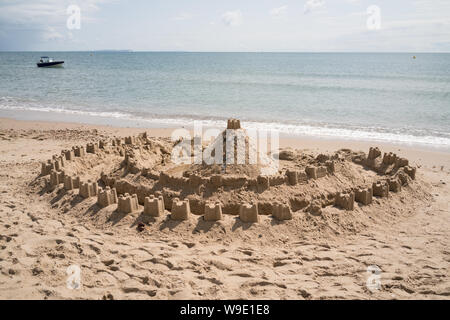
(387, 97)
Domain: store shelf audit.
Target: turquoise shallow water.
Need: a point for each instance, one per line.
(383, 96)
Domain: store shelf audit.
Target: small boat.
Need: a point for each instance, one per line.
(46, 62)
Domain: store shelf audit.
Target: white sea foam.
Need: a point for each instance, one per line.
(321, 131)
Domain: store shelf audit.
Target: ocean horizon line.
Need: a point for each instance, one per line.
(187, 51)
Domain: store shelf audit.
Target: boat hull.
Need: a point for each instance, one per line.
(53, 64)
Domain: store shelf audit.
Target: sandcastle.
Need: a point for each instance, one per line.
(71, 182)
(144, 180)
(180, 209)
(281, 212)
(56, 177)
(380, 189)
(364, 196)
(128, 203)
(345, 200)
(79, 151)
(249, 212)
(92, 148)
(213, 211)
(69, 154)
(154, 207)
(88, 189)
(107, 197)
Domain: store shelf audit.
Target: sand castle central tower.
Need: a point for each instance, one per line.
(237, 151)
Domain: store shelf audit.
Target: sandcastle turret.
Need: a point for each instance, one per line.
(380, 189)
(389, 158)
(180, 209)
(102, 144)
(58, 161)
(248, 212)
(364, 196)
(403, 177)
(56, 177)
(130, 140)
(410, 171)
(281, 212)
(69, 154)
(88, 189)
(345, 200)
(374, 153)
(107, 197)
(292, 177)
(153, 207)
(79, 151)
(46, 167)
(127, 203)
(117, 142)
(314, 172)
(213, 211)
(237, 150)
(331, 167)
(234, 124)
(71, 182)
(394, 184)
(92, 147)
(374, 158)
(311, 171)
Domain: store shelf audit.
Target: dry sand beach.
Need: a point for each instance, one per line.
(323, 252)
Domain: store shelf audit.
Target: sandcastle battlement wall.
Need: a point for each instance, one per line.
(387, 164)
(261, 182)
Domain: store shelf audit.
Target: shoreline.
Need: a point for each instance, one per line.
(428, 157)
(301, 131)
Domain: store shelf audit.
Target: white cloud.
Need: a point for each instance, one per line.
(312, 5)
(44, 20)
(29, 14)
(276, 12)
(232, 18)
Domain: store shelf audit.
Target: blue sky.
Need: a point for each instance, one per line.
(210, 25)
